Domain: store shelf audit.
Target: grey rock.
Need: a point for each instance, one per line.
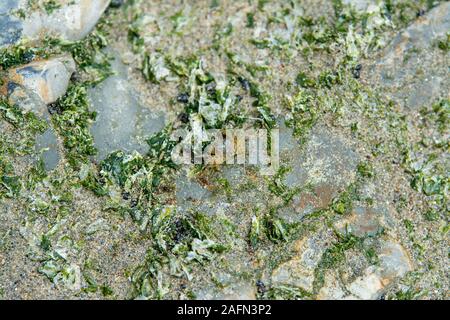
(10, 25)
(38, 83)
(235, 291)
(47, 144)
(122, 123)
(73, 21)
(359, 5)
(32, 87)
(362, 221)
(190, 191)
(412, 70)
(299, 271)
(326, 164)
(394, 264)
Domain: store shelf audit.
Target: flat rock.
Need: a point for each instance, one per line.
(48, 146)
(326, 164)
(122, 122)
(394, 264)
(412, 70)
(362, 222)
(299, 271)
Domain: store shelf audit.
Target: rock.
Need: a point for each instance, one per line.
(34, 85)
(10, 24)
(362, 222)
(394, 264)
(359, 5)
(122, 123)
(412, 70)
(189, 190)
(327, 164)
(116, 3)
(235, 291)
(73, 21)
(47, 144)
(299, 271)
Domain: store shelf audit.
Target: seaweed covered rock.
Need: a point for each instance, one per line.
(320, 171)
(394, 263)
(413, 69)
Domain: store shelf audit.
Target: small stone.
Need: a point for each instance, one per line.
(183, 98)
(34, 85)
(116, 3)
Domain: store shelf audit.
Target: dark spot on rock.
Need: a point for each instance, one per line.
(183, 117)
(183, 98)
(261, 287)
(54, 108)
(211, 88)
(420, 13)
(126, 195)
(75, 77)
(181, 232)
(11, 87)
(244, 83)
(116, 3)
(357, 71)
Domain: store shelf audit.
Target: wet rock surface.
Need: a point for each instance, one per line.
(394, 263)
(47, 145)
(68, 20)
(412, 68)
(72, 21)
(10, 24)
(300, 271)
(122, 122)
